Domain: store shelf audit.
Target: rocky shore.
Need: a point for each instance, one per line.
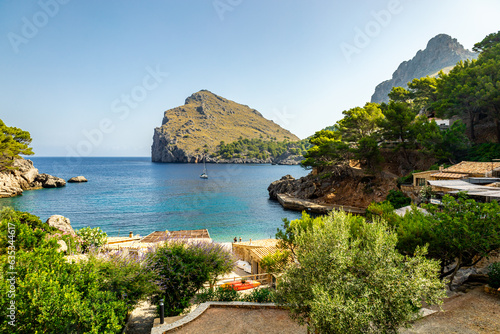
(321, 191)
(26, 177)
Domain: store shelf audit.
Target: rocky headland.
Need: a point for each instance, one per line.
(442, 53)
(25, 176)
(323, 190)
(194, 131)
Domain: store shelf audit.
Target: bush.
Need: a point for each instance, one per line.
(219, 294)
(183, 268)
(398, 199)
(494, 275)
(92, 237)
(348, 277)
(263, 295)
(53, 295)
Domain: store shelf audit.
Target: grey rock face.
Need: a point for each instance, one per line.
(442, 51)
(62, 223)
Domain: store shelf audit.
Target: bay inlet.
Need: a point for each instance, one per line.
(135, 194)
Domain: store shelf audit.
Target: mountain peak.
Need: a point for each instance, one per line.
(201, 96)
(442, 52)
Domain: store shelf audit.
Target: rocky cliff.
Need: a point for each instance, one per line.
(26, 177)
(442, 53)
(328, 188)
(195, 129)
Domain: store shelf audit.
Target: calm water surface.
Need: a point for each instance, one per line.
(134, 194)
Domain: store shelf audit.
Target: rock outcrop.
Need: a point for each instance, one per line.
(350, 188)
(442, 53)
(194, 130)
(62, 223)
(25, 177)
(77, 179)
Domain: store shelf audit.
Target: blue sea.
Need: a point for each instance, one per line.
(135, 194)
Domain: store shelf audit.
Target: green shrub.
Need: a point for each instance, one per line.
(383, 210)
(183, 268)
(92, 237)
(219, 294)
(263, 295)
(494, 275)
(351, 279)
(398, 199)
(53, 295)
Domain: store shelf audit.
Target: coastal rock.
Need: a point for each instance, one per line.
(193, 131)
(288, 158)
(442, 53)
(62, 223)
(285, 185)
(49, 181)
(25, 176)
(332, 187)
(77, 179)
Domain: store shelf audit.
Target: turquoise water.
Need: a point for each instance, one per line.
(134, 194)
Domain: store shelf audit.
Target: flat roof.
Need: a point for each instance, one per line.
(471, 189)
(158, 236)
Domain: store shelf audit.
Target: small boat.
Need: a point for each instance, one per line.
(238, 285)
(204, 175)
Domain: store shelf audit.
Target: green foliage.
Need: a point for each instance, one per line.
(349, 278)
(276, 262)
(286, 236)
(426, 193)
(360, 122)
(262, 295)
(383, 210)
(487, 43)
(327, 150)
(183, 268)
(53, 295)
(228, 294)
(260, 149)
(398, 199)
(219, 294)
(459, 232)
(408, 179)
(13, 142)
(92, 237)
(484, 152)
(494, 275)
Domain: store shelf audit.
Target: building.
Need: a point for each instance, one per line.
(137, 244)
(253, 252)
(482, 193)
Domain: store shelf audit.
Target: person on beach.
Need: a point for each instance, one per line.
(240, 239)
(235, 240)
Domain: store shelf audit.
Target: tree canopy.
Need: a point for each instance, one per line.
(458, 233)
(13, 142)
(347, 277)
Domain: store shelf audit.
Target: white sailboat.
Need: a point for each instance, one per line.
(204, 175)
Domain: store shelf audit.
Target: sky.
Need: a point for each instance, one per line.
(93, 78)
